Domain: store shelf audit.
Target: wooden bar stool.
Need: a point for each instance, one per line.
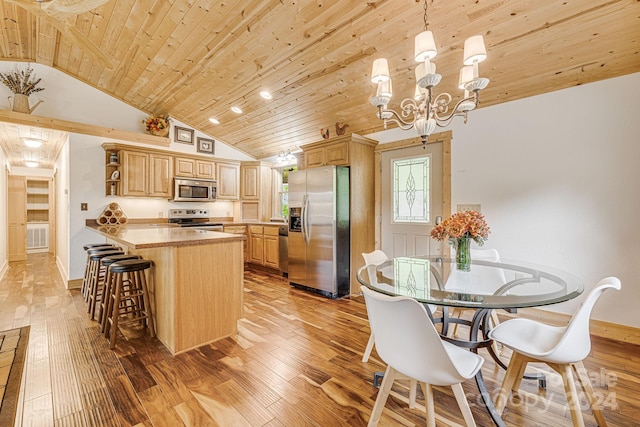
(96, 273)
(104, 298)
(130, 298)
(96, 247)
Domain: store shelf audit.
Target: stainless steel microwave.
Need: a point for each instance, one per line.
(194, 190)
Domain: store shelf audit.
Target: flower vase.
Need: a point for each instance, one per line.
(159, 132)
(463, 254)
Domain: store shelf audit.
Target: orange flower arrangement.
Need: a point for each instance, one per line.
(156, 123)
(463, 224)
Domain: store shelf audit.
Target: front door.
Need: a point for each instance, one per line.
(411, 199)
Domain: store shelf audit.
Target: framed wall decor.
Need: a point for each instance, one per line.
(205, 145)
(183, 135)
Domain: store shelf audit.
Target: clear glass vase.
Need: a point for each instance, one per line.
(463, 254)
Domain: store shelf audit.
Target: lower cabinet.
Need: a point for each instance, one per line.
(240, 229)
(264, 246)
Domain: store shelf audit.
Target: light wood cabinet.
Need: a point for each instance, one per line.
(256, 244)
(146, 175)
(194, 168)
(17, 218)
(334, 153)
(264, 246)
(228, 180)
(160, 175)
(271, 247)
(255, 191)
(240, 229)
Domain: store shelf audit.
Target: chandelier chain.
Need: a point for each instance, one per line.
(426, 17)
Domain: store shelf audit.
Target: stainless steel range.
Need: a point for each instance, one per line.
(196, 218)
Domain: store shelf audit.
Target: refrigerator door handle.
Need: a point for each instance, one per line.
(307, 229)
(303, 220)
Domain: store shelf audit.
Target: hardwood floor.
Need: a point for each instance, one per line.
(295, 362)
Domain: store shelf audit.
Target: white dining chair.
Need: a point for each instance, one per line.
(407, 341)
(562, 348)
(371, 261)
(480, 280)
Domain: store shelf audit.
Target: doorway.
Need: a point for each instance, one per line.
(414, 191)
(30, 216)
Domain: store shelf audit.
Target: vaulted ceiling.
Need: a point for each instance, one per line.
(194, 59)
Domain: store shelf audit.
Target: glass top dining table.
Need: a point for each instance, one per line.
(503, 284)
(488, 285)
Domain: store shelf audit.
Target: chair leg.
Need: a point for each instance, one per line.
(427, 390)
(412, 393)
(383, 393)
(570, 391)
(581, 373)
(367, 350)
(515, 367)
(458, 392)
(456, 312)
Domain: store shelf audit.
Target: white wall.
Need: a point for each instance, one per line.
(557, 176)
(62, 212)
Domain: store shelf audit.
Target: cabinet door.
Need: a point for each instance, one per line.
(205, 169)
(160, 174)
(185, 167)
(337, 153)
(256, 246)
(249, 182)
(271, 250)
(314, 157)
(135, 173)
(17, 218)
(228, 181)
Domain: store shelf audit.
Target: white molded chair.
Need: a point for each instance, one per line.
(482, 279)
(371, 261)
(562, 348)
(412, 348)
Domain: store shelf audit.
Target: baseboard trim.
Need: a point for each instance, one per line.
(598, 328)
(74, 284)
(4, 269)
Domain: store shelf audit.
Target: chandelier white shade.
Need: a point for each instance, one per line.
(426, 111)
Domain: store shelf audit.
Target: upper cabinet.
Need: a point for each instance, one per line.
(228, 180)
(194, 168)
(255, 191)
(145, 174)
(326, 153)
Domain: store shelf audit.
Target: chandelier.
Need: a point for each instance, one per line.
(426, 111)
(285, 157)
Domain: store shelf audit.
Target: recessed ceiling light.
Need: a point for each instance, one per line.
(214, 121)
(31, 164)
(266, 95)
(236, 110)
(33, 143)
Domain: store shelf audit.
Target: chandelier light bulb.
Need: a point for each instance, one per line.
(380, 71)
(466, 75)
(425, 46)
(474, 50)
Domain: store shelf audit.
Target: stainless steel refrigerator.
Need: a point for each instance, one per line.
(319, 233)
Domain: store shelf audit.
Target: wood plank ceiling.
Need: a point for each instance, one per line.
(194, 59)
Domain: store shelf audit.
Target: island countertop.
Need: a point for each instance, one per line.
(197, 291)
(141, 236)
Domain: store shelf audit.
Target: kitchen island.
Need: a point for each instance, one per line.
(197, 296)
